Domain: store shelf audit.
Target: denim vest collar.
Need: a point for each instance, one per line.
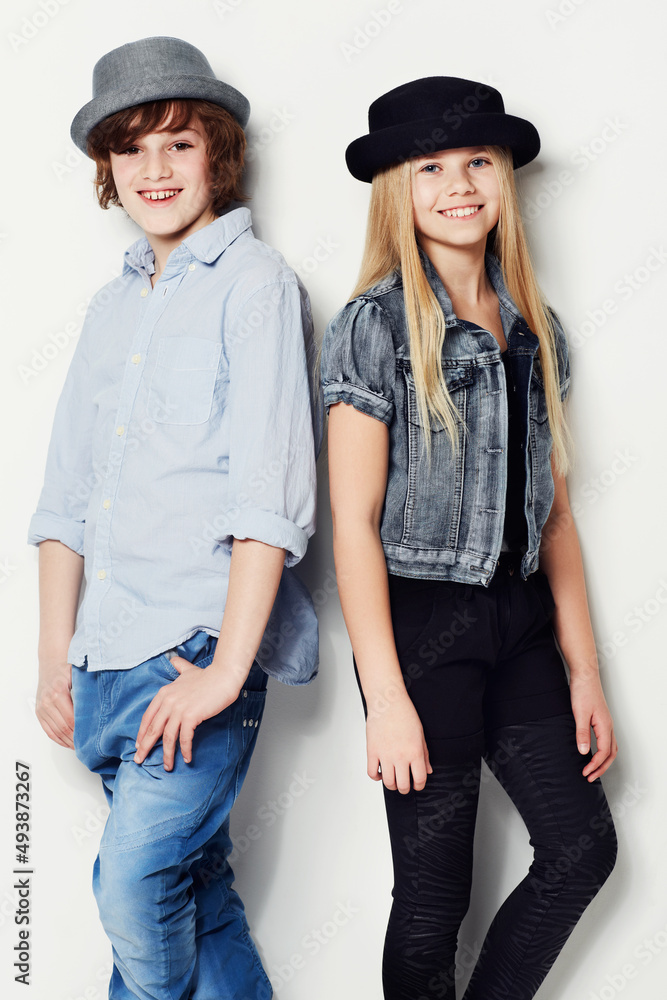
(512, 320)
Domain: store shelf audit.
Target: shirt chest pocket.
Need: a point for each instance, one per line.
(183, 382)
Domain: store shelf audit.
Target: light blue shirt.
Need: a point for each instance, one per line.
(188, 417)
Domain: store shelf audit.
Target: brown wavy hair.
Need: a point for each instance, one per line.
(225, 144)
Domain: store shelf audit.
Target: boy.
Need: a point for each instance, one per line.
(181, 468)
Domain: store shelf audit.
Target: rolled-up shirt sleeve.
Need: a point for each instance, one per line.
(271, 476)
(61, 509)
(358, 363)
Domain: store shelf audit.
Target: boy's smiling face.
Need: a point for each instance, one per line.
(164, 184)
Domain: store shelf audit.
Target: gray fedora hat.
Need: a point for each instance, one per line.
(153, 69)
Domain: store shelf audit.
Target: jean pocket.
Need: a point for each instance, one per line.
(252, 708)
(412, 614)
(183, 382)
(542, 587)
(164, 665)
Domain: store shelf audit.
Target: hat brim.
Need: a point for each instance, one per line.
(384, 147)
(165, 88)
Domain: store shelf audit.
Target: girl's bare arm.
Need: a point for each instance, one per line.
(358, 461)
(560, 558)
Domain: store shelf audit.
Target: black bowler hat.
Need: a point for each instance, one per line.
(438, 112)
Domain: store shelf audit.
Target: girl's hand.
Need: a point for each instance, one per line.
(53, 705)
(178, 708)
(396, 746)
(590, 709)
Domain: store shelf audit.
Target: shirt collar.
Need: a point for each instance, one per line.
(206, 244)
(495, 273)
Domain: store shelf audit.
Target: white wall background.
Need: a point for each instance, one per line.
(589, 74)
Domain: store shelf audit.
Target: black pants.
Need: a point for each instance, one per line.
(571, 831)
(483, 670)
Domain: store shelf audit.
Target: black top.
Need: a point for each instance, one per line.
(515, 533)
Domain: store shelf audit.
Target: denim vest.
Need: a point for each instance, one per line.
(446, 522)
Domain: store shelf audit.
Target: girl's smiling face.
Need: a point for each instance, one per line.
(164, 184)
(455, 198)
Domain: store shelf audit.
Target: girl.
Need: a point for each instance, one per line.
(456, 553)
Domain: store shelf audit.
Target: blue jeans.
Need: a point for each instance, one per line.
(161, 879)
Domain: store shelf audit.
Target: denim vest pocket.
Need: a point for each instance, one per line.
(434, 496)
(538, 401)
(182, 386)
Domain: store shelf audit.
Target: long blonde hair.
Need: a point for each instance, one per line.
(391, 244)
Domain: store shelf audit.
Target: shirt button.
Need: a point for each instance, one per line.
(144, 293)
(120, 431)
(101, 574)
(106, 504)
(191, 267)
(250, 722)
(136, 358)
